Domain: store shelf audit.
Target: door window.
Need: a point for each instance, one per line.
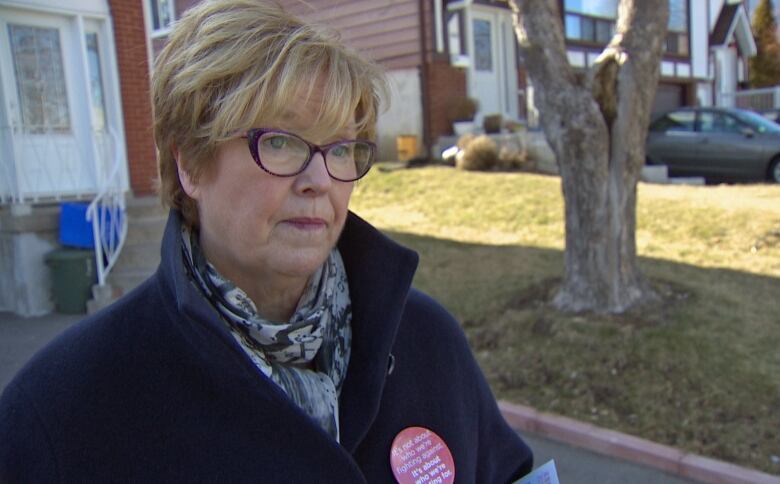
(678, 121)
(40, 78)
(483, 50)
(96, 82)
(710, 122)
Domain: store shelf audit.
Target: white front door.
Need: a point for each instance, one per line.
(493, 66)
(47, 106)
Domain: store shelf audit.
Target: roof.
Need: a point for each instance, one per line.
(733, 24)
(720, 33)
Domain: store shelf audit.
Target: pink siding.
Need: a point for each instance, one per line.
(386, 30)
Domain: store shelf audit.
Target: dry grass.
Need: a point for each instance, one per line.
(701, 371)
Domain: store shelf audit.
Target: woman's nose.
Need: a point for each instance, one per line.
(315, 178)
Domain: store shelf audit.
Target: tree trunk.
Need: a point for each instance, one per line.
(596, 122)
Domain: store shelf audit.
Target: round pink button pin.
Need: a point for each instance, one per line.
(419, 456)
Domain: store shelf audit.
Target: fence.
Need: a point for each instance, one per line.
(761, 100)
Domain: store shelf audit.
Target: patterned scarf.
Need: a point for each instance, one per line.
(306, 357)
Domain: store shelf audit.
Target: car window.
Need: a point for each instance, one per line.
(679, 121)
(711, 122)
(757, 122)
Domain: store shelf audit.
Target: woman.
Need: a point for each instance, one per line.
(279, 340)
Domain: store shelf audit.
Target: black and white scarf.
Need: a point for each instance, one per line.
(307, 357)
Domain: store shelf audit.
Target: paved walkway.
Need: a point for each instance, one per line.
(20, 338)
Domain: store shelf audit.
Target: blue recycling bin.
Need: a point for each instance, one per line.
(76, 231)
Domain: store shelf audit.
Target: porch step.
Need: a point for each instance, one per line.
(140, 255)
(148, 228)
(144, 207)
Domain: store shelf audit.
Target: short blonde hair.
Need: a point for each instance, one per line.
(231, 63)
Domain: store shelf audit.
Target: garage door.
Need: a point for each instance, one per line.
(668, 97)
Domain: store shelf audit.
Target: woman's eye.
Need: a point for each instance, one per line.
(340, 151)
(277, 142)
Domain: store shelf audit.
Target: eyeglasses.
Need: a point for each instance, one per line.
(285, 154)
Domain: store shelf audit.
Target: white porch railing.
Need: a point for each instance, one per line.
(50, 169)
(760, 100)
(107, 213)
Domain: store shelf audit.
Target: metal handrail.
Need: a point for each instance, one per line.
(108, 216)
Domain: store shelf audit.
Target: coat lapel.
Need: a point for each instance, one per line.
(380, 275)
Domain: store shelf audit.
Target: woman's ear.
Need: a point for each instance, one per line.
(189, 184)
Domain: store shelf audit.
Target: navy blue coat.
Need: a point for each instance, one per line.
(154, 388)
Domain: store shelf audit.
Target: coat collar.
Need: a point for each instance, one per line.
(380, 274)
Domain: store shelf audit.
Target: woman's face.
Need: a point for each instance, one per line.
(259, 228)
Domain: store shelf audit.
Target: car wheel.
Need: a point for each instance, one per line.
(774, 170)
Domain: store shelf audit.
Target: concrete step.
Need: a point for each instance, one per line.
(687, 180)
(655, 174)
(144, 255)
(144, 207)
(145, 229)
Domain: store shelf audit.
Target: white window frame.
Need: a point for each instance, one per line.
(161, 32)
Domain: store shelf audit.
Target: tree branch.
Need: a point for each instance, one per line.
(543, 46)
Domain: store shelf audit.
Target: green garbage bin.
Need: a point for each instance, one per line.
(73, 274)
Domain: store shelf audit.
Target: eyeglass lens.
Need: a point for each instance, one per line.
(284, 154)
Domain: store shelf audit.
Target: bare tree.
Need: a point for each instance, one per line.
(596, 122)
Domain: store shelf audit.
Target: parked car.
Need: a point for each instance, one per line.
(772, 115)
(716, 143)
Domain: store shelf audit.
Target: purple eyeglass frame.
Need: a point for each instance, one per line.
(253, 135)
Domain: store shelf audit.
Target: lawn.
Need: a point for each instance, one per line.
(701, 371)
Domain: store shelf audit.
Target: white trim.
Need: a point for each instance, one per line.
(468, 32)
(156, 34)
(439, 25)
(576, 58)
(82, 43)
(148, 31)
(114, 108)
(46, 7)
(743, 36)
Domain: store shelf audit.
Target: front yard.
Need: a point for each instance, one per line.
(700, 372)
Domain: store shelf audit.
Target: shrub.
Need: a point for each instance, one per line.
(492, 123)
(480, 153)
(462, 109)
(511, 157)
(465, 140)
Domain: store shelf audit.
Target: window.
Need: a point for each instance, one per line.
(679, 121)
(594, 21)
(455, 40)
(590, 20)
(710, 122)
(677, 35)
(483, 50)
(594, 8)
(40, 78)
(96, 82)
(162, 13)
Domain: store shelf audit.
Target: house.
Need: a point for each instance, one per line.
(74, 123)
(705, 59)
(75, 117)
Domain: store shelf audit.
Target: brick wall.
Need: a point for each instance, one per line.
(130, 38)
(444, 83)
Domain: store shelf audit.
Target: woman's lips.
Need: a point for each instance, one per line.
(306, 223)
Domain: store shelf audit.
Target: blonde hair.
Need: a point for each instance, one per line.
(229, 64)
